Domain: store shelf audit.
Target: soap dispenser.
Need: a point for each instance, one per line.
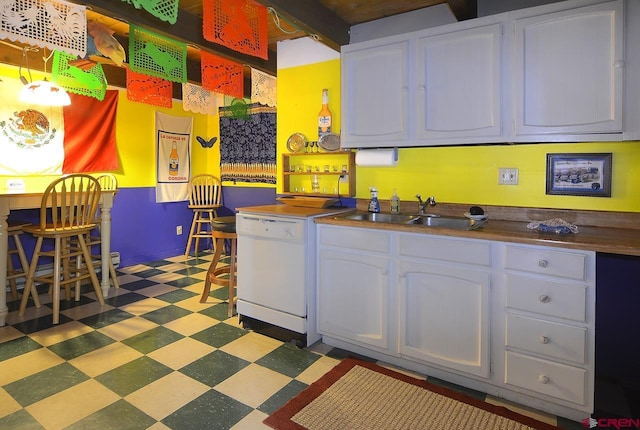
(374, 205)
(395, 202)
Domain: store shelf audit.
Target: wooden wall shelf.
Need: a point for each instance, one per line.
(299, 168)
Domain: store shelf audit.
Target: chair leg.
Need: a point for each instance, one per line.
(12, 281)
(232, 277)
(212, 268)
(86, 253)
(78, 284)
(191, 232)
(66, 272)
(113, 275)
(56, 279)
(12, 272)
(198, 232)
(29, 287)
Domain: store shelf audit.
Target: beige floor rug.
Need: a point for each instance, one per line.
(362, 395)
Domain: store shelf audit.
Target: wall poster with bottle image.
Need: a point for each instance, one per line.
(173, 157)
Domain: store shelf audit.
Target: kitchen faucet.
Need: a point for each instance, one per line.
(431, 201)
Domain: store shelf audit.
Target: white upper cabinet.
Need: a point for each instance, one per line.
(375, 93)
(569, 72)
(459, 84)
(552, 73)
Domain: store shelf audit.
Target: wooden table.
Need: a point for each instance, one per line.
(15, 201)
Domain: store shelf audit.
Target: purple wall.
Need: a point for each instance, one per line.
(144, 231)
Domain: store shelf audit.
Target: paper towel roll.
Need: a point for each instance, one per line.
(377, 157)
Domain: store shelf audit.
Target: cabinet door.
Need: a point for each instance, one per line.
(459, 84)
(375, 95)
(353, 297)
(569, 71)
(444, 316)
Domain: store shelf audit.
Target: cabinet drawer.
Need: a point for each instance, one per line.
(544, 261)
(362, 239)
(446, 249)
(546, 377)
(547, 338)
(546, 297)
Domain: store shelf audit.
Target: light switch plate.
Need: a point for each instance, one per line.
(507, 176)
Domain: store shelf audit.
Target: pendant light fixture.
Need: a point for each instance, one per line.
(41, 92)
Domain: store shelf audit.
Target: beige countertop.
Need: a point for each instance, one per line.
(611, 232)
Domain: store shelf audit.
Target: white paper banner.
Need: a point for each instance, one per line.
(173, 157)
(263, 88)
(54, 24)
(197, 99)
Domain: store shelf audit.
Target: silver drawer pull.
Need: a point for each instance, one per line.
(543, 263)
(543, 379)
(544, 298)
(543, 339)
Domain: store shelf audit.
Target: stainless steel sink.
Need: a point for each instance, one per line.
(448, 222)
(425, 220)
(388, 218)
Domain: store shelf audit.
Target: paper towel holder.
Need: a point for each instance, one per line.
(377, 157)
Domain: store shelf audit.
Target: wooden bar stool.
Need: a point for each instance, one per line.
(205, 195)
(222, 228)
(67, 210)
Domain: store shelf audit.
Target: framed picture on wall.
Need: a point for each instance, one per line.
(579, 174)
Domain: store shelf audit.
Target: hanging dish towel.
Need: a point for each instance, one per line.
(555, 225)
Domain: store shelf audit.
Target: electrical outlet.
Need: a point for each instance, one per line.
(178, 230)
(507, 176)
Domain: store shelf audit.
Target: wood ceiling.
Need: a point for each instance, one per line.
(330, 20)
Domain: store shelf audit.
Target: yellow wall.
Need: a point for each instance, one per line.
(464, 174)
(299, 101)
(135, 137)
(135, 140)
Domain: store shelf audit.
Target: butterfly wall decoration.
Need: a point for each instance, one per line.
(207, 143)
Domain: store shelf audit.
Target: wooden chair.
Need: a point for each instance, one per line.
(13, 272)
(205, 195)
(73, 201)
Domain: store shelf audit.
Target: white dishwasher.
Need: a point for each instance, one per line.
(276, 274)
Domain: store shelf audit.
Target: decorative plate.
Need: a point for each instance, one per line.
(330, 142)
(476, 217)
(296, 142)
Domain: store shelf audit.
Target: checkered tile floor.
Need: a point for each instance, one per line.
(152, 357)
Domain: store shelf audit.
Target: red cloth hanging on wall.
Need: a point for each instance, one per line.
(90, 134)
(240, 25)
(220, 75)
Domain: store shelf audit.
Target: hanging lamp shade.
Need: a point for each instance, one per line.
(44, 93)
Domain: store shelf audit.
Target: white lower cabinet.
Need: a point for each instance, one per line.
(443, 309)
(353, 297)
(549, 323)
(353, 285)
(443, 316)
(515, 321)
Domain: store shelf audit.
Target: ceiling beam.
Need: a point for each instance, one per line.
(313, 18)
(187, 29)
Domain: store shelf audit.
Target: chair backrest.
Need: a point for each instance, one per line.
(108, 182)
(205, 191)
(73, 200)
